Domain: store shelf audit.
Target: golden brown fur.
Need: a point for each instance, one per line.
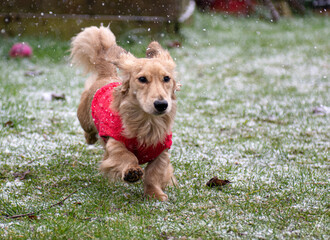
(147, 108)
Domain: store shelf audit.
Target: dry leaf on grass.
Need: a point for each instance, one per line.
(21, 175)
(56, 96)
(174, 44)
(32, 217)
(9, 124)
(33, 73)
(321, 110)
(216, 182)
(53, 96)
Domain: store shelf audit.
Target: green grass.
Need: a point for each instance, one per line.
(245, 114)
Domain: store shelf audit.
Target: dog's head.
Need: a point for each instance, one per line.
(150, 81)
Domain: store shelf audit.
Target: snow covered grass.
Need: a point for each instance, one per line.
(245, 114)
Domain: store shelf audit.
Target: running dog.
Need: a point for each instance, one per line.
(131, 111)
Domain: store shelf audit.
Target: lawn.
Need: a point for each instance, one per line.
(245, 113)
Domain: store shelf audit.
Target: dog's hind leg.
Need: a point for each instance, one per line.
(119, 163)
(85, 118)
(158, 175)
(91, 138)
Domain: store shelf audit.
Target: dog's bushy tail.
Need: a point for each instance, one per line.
(90, 50)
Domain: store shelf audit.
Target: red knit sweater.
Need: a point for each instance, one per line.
(109, 124)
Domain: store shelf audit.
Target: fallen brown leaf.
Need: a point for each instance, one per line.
(53, 96)
(9, 124)
(174, 44)
(216, 182)
(321, 110)
(21, 175)
(33, 73)
(33, 217)
(56, 96)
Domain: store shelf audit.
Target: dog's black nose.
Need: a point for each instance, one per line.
(161, 105)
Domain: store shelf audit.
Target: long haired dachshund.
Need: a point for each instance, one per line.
(132, 112)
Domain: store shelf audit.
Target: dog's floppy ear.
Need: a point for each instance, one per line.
(125, 62)
(154, 50)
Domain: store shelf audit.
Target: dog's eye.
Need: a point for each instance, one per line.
(167, 79)
(143, 79)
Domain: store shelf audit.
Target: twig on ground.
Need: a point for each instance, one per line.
(60, 202)
(51, 206)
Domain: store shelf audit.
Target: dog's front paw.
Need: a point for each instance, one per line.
(133, 174)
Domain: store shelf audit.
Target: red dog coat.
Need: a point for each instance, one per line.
(108, 124)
